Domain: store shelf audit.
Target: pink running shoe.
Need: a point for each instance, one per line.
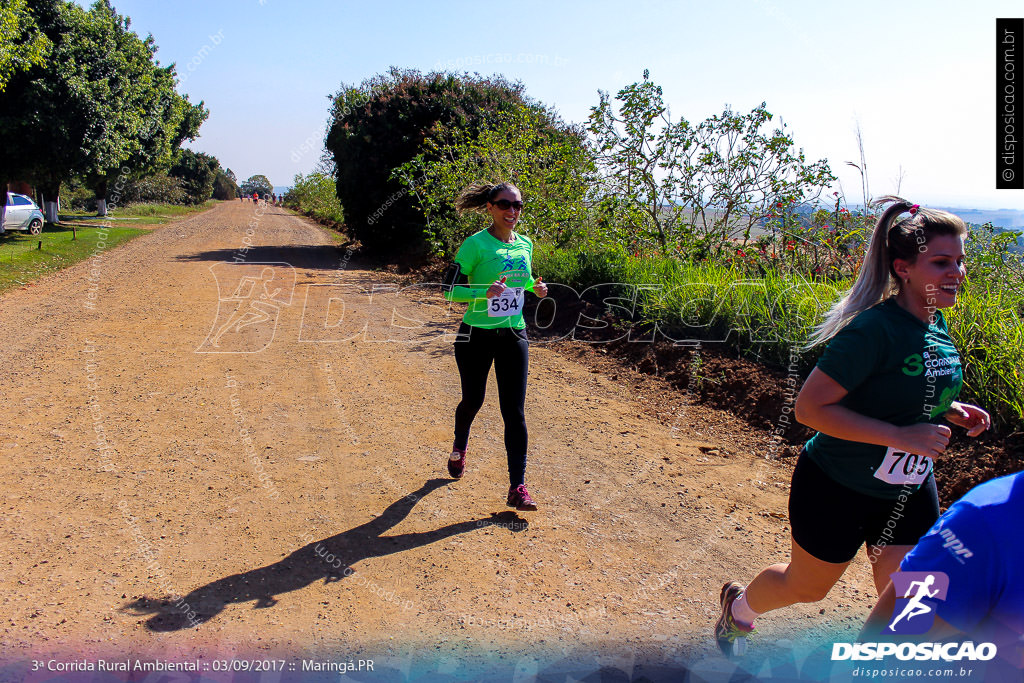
(519, 498)
(457, 463)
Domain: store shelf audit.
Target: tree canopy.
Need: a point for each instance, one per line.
(22, 44)
(383, 123)
(98, 104)
(197, 171)
(259, 184)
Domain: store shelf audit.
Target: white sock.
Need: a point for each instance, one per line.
(455, 455)
(741, 612)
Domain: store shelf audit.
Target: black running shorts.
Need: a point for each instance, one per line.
(832, 522)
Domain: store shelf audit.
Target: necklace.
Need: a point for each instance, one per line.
(510, 240)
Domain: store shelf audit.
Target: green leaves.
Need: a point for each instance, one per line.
(22, 44)
(259, 184)
(402, 122)
(550, 163)
(669, 182)
(314, 195)
(97, 104)
(197, 172)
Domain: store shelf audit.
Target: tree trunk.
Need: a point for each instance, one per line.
(101, 197)
(50, 190)
(3, 203)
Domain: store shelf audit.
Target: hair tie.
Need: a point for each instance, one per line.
(914, 208)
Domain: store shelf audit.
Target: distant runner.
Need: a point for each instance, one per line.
(492, 271)
(889, 376)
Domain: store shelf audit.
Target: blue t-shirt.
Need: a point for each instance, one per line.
(979, 544)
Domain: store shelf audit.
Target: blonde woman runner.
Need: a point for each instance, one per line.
(878, 398)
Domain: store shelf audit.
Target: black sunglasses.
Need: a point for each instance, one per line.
(505, 205)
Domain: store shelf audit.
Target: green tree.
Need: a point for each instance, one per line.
(551, 165)
(638, 161)
(147, 119)
(384, 123)
(22, 44)
(695, 186)
(733, 173)
(224, 185)
(197, 171)
(258, 184)
(97, 105)
(314, 194)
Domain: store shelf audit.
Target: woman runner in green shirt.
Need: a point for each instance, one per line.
(492, 270)
(889, 375)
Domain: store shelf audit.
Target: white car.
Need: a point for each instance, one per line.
(22, 214)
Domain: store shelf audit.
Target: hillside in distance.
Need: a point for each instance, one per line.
(1010, 219)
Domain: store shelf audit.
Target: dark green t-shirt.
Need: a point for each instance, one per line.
(898, 369)
(484, 259)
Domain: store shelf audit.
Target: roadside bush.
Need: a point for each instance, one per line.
(224, 186)
(384, 123)
(986, 324)
(77, 197)
(766, 317)
(157, 189)
(551, 164)
(314, 195)
(197, 172)
(581, 267)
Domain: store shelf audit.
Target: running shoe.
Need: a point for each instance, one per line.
(457, 463)
(519, 498)
(731, 637)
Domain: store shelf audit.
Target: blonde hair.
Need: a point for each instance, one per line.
(890, 240)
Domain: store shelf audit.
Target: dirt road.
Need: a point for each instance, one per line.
(213, 460)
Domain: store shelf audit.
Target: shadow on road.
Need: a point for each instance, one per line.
(330, 559)
(310, 256)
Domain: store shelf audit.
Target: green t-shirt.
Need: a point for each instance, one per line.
(484, 259)
(898, 369)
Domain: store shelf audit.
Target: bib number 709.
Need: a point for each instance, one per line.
(900, 467)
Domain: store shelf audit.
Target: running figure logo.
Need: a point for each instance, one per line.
(917, 594)
(249, 300)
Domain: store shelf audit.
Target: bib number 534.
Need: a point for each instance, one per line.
(900, 467)
(509, 303)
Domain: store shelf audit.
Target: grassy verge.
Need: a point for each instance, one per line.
(141, 214)
(769, 318)
(21, 259)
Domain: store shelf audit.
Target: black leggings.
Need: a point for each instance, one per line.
(509, 350)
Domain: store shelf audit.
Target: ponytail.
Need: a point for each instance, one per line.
(478, 194)
(890, 240)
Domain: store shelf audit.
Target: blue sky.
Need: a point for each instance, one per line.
(919, 77)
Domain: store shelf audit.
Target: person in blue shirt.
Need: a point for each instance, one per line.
(979, 544)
